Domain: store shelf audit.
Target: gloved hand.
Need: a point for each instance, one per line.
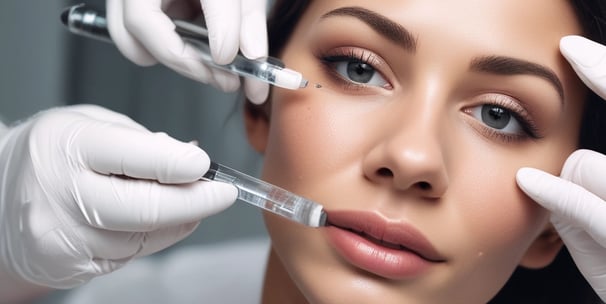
(84, 190)
(577, 199)
(143, 32)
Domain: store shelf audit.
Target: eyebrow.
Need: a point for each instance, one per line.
(381, 24)
(502, 65)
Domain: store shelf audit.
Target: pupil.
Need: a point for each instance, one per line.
(495, 117)
(360, 72)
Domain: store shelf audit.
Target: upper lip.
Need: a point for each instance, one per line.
(370, 224)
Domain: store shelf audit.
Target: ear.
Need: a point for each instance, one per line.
(257, 129)
(543, 250)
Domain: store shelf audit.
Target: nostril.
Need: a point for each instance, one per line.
(424, 185)
(385, 172)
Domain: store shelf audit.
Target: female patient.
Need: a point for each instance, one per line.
(423, 112)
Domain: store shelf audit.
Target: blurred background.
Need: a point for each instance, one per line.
(44, 66)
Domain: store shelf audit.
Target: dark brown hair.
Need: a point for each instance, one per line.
(592, 15)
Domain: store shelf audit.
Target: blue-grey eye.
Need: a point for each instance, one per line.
(495, 117)
(498, 118)
(359, 72)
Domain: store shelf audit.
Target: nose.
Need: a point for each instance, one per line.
(410, 156)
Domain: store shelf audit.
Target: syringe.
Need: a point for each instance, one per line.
(83, 20)
(269, 197)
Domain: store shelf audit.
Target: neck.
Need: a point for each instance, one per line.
(278, 287)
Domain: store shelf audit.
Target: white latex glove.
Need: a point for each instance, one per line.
(84, 190)
(144, 33)
(577, 199)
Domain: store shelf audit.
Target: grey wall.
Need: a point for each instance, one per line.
(44, 66)
(31, 58)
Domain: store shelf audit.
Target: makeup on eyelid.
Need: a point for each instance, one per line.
(351, 71)
(346, 65)
(347, 73)
(514, 96)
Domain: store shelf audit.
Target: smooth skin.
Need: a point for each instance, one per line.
(411, 144)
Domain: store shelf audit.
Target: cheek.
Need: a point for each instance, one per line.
(491, 225)
(310, 136)
(496, 210)
(496, 215)
(488, 204)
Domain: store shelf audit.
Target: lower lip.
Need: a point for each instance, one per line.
(383, 261)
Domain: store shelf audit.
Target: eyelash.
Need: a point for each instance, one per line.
(526, 122)
(330, 59)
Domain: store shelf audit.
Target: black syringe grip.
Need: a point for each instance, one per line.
(64, 16)
(212, 171)
(83, 20)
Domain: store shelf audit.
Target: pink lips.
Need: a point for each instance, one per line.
(393, 250)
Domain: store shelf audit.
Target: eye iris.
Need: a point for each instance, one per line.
(360, 72)
(495, 117)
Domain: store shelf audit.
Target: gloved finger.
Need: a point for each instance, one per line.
(110, 244)
(225, 81)
(588, 59)
(256, 91)
(253, 43)
(587, 168)
(146, 21)
(589, 256)
(253, 29)
(107, 251)
(124, 41)
(103, 114)
(163, 238)
(125, 245)
(124, 204)
(114, 149)
(223, 23)
(568, 201)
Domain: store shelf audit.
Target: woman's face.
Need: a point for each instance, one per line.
(427, 109)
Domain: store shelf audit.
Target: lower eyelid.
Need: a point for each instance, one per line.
(529, 130)
(494, 134)
(506, 137)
